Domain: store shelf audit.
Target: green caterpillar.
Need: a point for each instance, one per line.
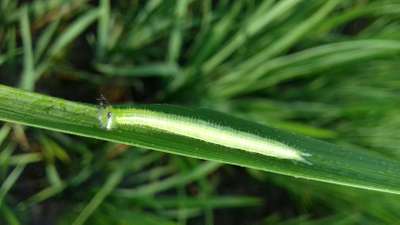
(111, 118)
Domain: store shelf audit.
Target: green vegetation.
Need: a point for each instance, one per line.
(324, 69)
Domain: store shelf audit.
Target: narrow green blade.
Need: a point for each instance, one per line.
(327, 162)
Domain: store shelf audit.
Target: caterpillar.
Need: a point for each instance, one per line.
(111, 118)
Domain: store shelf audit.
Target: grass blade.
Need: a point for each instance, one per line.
(103, 28)
(170, 182)
(175, 42)
(328, 163)
(155, 69)
(45, 39)
(9, 215)
(10, 181)
(73, 31)
(28, 76)
(112, 181)
(201, 202)
(254, 25)
(286, 41)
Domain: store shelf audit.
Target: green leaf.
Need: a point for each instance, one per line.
(9, 215)
(44, 39)
(154, 69)
(73, 31)
(284, 43)
(328, 162)
(201, 202)
(262, 18)
(170, 182)
(112, 181)
(28, 76)
(10, 181)
(305, 63)
(103, 28)
(175, 42)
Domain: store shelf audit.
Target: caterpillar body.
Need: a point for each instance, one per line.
(111, 118)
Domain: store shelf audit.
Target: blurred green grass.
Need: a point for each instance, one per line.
(327, 69)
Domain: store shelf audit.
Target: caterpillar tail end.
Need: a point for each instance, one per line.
(302, 158)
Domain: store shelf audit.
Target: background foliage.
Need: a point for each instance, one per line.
(326, 69)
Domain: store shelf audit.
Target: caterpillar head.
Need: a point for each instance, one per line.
(105, 116)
